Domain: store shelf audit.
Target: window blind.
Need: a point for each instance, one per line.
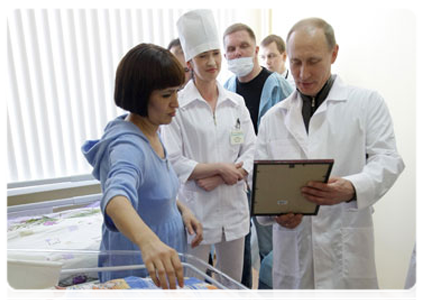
(61, 68)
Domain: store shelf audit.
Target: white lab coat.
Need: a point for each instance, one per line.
(335, 249)
(195, 136)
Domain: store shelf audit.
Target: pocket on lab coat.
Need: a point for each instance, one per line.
(358, 253)
(286, 148)
(286, 252)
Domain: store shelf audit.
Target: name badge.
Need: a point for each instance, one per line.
(237, 137)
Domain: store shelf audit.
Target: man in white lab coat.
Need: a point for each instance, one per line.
(325, 118)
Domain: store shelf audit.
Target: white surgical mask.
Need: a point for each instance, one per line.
(241, 66)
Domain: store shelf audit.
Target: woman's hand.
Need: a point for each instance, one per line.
(232, 173)
(162, 263)
(210, 183)
(192, 225)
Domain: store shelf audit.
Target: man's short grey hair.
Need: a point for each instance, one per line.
(239, 27)
(312, 23)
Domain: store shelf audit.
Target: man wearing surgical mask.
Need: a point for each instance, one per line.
(261, 90)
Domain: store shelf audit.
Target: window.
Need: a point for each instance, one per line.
(61, 67)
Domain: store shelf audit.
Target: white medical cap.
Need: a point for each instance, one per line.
(197, 32)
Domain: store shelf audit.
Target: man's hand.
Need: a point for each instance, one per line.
(337, 190)
(289, 220)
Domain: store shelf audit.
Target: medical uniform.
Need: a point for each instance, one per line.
(197, 135)
(126, 164)
(335, 249)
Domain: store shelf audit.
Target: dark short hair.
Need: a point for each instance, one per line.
(239, 27)
(174, 43)
(142, 70)
(316, 23)
(280, 43)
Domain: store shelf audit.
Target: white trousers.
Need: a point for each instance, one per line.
(229, 256)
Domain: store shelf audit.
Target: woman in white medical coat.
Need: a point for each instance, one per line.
(211, 146)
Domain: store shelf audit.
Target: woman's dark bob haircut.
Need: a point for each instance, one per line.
(142, 70)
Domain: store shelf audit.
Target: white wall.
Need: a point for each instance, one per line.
(378, 51)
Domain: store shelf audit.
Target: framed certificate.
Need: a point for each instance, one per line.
(277, 185)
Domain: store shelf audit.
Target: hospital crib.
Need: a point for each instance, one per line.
(63, 269)
(54, 244)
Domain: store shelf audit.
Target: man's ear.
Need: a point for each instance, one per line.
(334, 53)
